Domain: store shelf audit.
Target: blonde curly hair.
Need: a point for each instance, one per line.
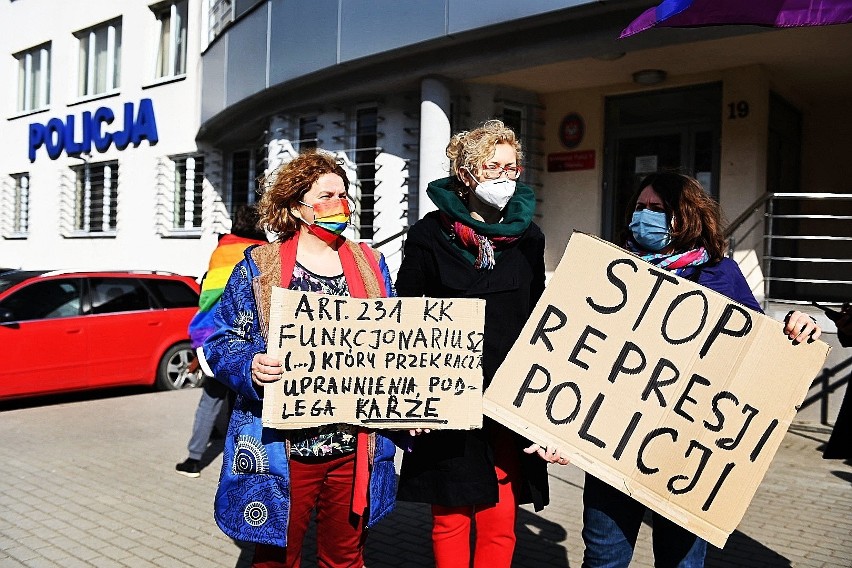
(284, 187)
(471, 149)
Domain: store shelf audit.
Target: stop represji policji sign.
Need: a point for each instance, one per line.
(664, 389)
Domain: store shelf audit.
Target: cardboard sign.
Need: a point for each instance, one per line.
(662, 388)
(383, 362)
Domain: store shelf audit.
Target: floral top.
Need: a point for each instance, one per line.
(330, 439)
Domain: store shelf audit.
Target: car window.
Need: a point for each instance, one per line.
(44, 300)
(9, 278)
(172, 293)
(110, 295)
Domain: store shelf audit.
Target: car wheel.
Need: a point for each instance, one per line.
(176, 370)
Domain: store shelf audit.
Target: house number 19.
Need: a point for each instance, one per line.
(738, 109)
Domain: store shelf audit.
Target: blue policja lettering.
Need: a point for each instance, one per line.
(57, 136)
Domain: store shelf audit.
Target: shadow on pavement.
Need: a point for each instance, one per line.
(69, 397)
(540, 542)
(741, 547)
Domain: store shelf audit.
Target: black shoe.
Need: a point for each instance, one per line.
(189, 468)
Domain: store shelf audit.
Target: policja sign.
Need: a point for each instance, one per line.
(666, 390)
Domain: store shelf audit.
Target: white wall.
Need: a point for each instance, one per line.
(136, 244)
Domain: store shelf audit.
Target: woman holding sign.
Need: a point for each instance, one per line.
(480, 243)
(673, 224)
(272, 480)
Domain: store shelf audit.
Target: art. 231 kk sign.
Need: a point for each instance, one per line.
(59, 136)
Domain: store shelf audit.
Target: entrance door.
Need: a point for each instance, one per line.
(668, 130)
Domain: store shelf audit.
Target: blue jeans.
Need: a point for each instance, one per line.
(611, 522)
(213, 398)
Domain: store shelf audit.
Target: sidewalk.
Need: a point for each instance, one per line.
(92, 484)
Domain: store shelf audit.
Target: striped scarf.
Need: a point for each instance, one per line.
(483, 246)
(674, 262)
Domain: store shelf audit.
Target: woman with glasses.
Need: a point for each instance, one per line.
(273, 480)
(480, 243)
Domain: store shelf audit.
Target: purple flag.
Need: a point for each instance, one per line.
(775, 13)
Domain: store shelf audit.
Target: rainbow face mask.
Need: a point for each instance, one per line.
(331, 217)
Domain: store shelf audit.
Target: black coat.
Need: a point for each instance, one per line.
(456, 467)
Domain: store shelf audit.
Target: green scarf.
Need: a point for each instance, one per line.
(516, 217)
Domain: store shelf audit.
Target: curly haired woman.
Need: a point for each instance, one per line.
(272, 480)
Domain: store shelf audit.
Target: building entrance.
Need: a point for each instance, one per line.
(675, 129)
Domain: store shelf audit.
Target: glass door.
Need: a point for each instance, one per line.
(675, 130)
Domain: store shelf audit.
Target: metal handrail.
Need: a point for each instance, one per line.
(760, 216)
(747, 213)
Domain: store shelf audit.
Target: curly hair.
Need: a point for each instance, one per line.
(284, 187)
(473, 148)
(697, 216)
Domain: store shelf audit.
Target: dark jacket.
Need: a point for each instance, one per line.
(453, 467)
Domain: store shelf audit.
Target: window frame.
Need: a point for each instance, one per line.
(88, 70)
(19, 213)
(171, 62)
(219, 16)
(83, 198)
(32, 97)
(180, 190)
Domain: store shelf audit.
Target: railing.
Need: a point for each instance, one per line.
(804, 243)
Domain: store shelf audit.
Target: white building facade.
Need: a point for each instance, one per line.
(100, 165)
(133, 128)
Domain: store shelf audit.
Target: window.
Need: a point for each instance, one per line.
(308, 131)
(171, 52)
(514, 119)
(188, 186)
(34, 78)
(100, 59)
(20, 204)
(221, 14)
(246, 167)
(44, 300)
(172, 293)
(366, 141)
(110, 295)
(95, 198)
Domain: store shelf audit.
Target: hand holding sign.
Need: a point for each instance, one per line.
(265, 369)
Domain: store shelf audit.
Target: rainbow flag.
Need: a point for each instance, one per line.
(774, 13)
(227, 254)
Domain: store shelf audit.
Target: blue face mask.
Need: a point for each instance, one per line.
(650, 230)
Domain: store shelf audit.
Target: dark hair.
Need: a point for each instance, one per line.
(697, 216)
(246, 223)
(284, 187)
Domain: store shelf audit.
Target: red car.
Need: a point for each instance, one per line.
(64, 331)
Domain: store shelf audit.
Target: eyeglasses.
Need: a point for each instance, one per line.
(493, 171)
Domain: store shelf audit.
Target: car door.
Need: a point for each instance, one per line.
(44, 339)
(124, 329)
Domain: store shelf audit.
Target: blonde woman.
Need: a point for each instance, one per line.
(480, 243)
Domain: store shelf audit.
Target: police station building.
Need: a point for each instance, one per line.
(132, 129)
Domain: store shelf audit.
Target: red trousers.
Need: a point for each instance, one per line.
(327, 486)
(495, 523)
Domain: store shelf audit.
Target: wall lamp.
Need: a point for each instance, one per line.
(649, 77)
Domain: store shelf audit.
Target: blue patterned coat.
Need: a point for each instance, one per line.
(253, 499)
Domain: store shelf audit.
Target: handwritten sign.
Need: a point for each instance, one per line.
(382, 363)
(664, 389)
